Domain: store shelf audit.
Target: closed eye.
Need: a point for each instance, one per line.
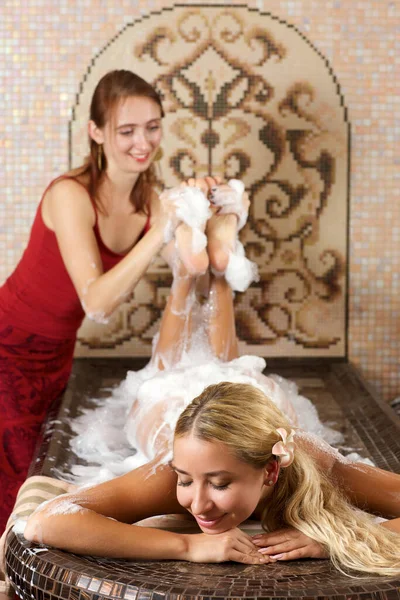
(215, 487)
(220, 487)
(184, 483)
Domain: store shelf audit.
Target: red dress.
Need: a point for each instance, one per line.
(40, 314)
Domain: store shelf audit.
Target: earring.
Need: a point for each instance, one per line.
(159, 154)
(270, 482)
(100, 156)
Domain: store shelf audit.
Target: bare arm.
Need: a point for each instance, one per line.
(71, 215)
(97, 520)
(369, 488)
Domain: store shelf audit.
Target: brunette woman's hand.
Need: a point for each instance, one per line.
(167, 218)
(168, 205)
(233, 545)
(288, 544)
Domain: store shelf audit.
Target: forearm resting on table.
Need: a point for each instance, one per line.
(88, 532)
(104, 293)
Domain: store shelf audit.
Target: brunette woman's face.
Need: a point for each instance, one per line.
(217, 488)
(132, 135)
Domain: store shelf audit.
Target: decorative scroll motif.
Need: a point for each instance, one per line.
(247, 96)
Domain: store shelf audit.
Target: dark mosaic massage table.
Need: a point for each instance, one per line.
(342, 399)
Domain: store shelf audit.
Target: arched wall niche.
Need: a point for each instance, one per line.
(246, 95)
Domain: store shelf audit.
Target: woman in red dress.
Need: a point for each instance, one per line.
(96, 231)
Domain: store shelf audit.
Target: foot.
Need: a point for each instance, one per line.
(221, 233)
(192, 208)
(230, 205)
(194, 263)
(231, 198)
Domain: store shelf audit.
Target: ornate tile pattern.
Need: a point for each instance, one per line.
(246, 96)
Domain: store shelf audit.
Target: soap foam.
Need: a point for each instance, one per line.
(230, 200)
(130, 426)
(192, 208)
(241, 271)
(115, 438)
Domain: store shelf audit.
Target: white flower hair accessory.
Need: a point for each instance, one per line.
(285, 448)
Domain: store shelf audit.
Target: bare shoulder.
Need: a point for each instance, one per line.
(364, 485)
(320, 451)
(144, 492)
(66, 197)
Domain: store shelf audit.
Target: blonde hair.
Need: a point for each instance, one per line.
(243, 418)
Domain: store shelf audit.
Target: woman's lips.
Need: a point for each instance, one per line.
(141, 159)
(208, 523)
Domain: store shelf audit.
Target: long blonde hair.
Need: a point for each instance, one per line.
(243, 418)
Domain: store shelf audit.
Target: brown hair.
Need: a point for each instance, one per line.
(112, 88)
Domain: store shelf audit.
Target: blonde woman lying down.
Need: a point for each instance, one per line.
(234, 455)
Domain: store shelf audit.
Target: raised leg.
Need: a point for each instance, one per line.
(175, 328)
(222, 329)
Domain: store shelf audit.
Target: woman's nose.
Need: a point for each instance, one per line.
(201, 502)
(140, 140)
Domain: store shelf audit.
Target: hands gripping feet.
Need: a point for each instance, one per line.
(208, 236)
(191, 210)
(226, 253)
(231, 199)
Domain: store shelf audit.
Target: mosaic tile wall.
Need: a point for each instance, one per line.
(45, 48)
(248, 97)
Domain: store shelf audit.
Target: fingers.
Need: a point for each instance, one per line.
(203, 183)
(244, 551)
(249, 559)
(213, 181)
(276, 537)
(289, 544)
(291, 555)
(279, 543)
(281, 548)
(200, 183)
(309, 551)
(246, 541)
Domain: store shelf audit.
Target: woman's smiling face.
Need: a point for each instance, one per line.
(217, 488)
(131, 135)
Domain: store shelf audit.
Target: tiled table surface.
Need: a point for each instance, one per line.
(341, 398)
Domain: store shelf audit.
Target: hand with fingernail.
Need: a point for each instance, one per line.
(288, 544)
(231, 198)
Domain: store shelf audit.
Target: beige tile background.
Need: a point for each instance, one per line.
(46, 46)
